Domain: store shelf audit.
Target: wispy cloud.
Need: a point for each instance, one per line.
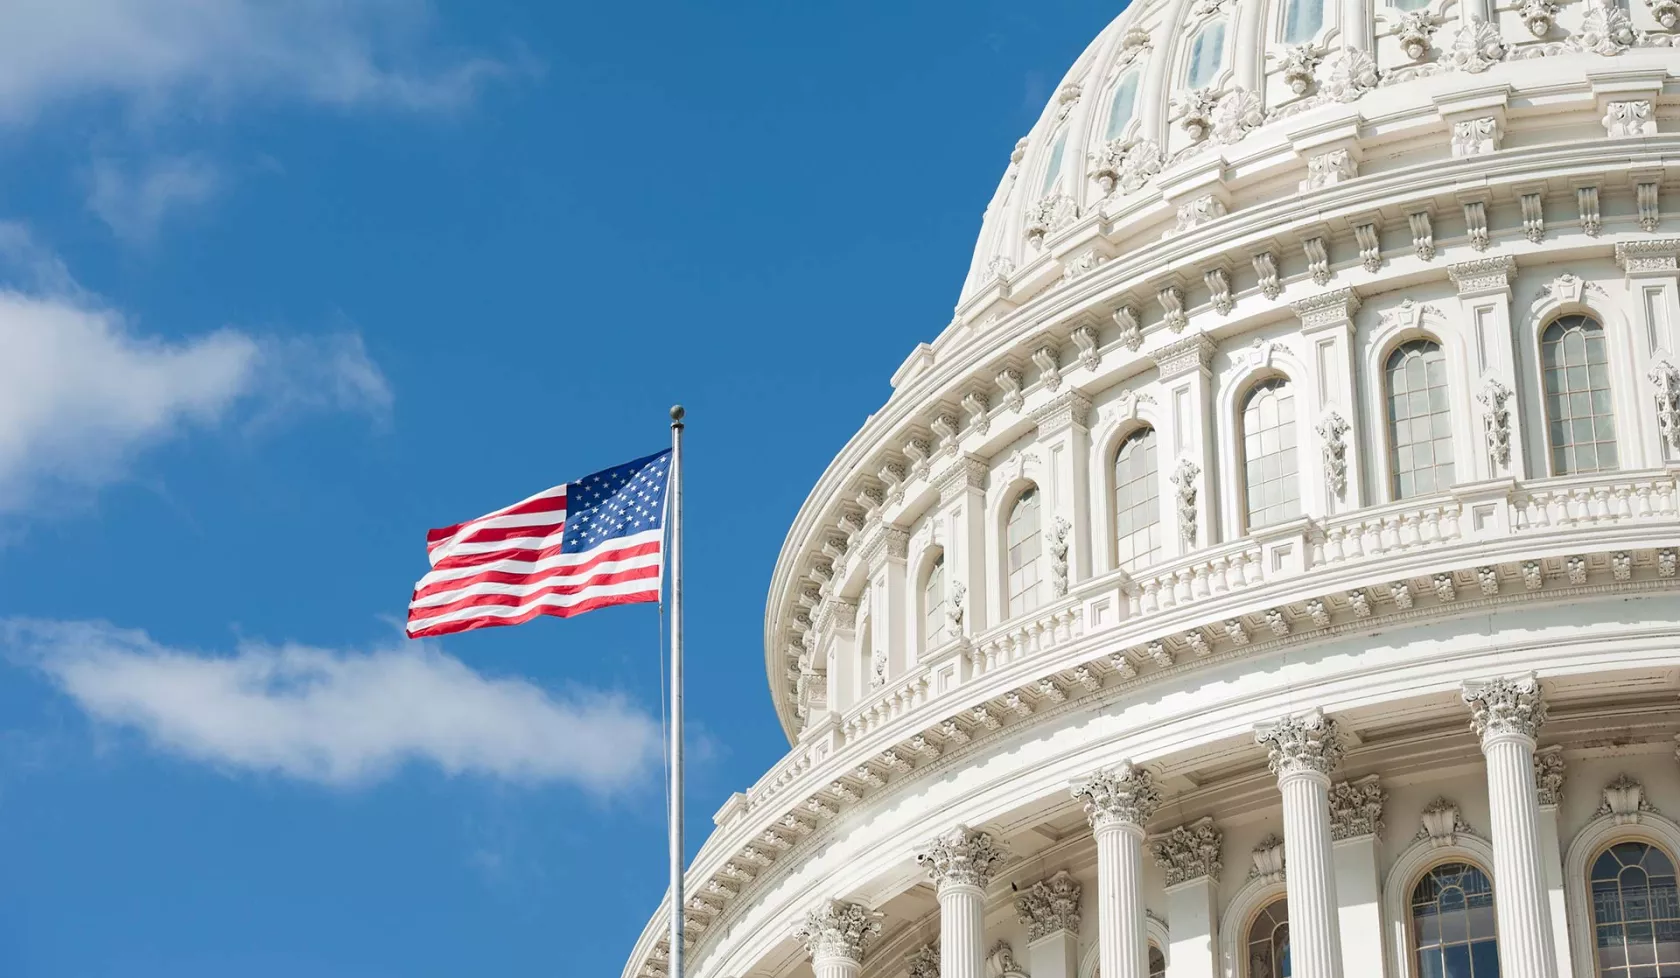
(155, 53)
(135, 202)
(339, 718)
(82, 393)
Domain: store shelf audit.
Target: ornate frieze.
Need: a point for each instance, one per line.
(1656, 255)
(1049, 906)
(1605, 29)
(1189, 852)
(1549, 775)
(1506, 706)
(1193, 352)
(961, 857)
(1306, 744)
(1327, 309)
(1123, 795)
(1483, 275)
(1356, 808)
(838, 929)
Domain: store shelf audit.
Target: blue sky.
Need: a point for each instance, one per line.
(282, 285)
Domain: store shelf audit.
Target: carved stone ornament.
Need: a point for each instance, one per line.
(1189, 852)
(954, 609)
(1299, 63)
(1506, 707)
(1057, 538)
(1414, 31)
(1549, 775)
(923, 962)
(1194, 109)
(1173, 316)
(1123, 795)
(1475, 137)
(1629, 119)
(1347, 74)
(1539, 15)
(961, 857)
(1142, 162)
(1625, 801)
(1197, 212)
(1333, 430)
(1356, 808)
(1106, 163)
(1131, 332)
(1305, 744)
(1496, 423)
(1665, 379)
(1605, 29)
(1476, 46)
(1009, 382)
(839, 929)
(878, 669)
(1265, 267)
(1268, 860)
(1184, 479)
(1329, 169)
(1667, 12)
(1049, 906)
(1442, 824)
(1051, 213)
(1238, 111)
(1001, 963)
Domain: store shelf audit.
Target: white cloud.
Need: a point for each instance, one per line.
(340, 718)
(135, 203)
(151, 53)
(82, 393)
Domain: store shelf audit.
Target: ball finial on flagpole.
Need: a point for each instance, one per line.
(677, 413)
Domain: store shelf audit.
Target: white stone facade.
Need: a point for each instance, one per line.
(1292, 508)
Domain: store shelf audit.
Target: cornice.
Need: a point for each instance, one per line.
(1193, 352)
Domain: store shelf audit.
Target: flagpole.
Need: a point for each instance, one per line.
(675, 557)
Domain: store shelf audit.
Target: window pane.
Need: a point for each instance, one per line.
(1053, 169)
(1024, 548)
(1301, 20)
(1137, 508)
(1580, 420)
(1120, 109)
(1206, 54)
(1636, 913)
(933, 606)
(1272, 490)
(1419, 434)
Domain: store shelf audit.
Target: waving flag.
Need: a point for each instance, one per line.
(570, 549)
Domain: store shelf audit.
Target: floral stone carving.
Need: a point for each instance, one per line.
(838, 929)
(1049, 906)
(1506, 706)
(961, 857)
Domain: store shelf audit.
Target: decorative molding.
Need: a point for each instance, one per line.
(961, 857)
(1442, 824)
(1423, 235)
(1265, 267)
(1268, 860)
(1171, 298)
(1586, 204)
(1347, 74)
(1194, 110)
(1476, 46)
(1193, 352)
(1189, 852)
(1665, 380)
(1629, 119)
(1368, 237)
(1549, 776)
(1476, 137)
(1049, 906)
(1539, 16)
(1483, 275)
(1496, 423)
(1131, 333)
(1605, 29)
(1654, 255)
(1085, 338)
(1009, 381)
(1667, 12)
(1299, 63)
(1333, 430)
(1218, 282)
(1001, 963)
(1328, 169)
(1048, 215)
(1198, 211)
(1237, 112)
(1356, 808)
(1331, 308)
(1624, 801)
(1184, 479)
(1306, 744)
(1122, 795)
(838, 929)
(1533, 217)
(1414, 30)
(1057, 538)
(1506, 706)
(923, 962)
(1049, 368)
(1316, 247)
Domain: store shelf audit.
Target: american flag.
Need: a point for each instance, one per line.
(579, 546)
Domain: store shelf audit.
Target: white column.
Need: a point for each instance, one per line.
(1302, 751)
(1050, 909)
(961, 863)
(1118, 803)
(1189, 855)
(1548, 779)
(1507, 714)
(836, 935)
(1355, 822)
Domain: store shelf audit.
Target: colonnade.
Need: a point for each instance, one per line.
(1328, 836)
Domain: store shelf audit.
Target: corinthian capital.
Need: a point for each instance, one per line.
(1049, 906)
(1506, 707)
(838, 929)
(1306, 744)
(1190, 852)
(961, 857)
(1125, 795)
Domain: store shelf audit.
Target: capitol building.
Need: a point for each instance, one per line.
(1271, 568)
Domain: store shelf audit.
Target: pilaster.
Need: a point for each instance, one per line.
(1190, 856)
(1356, 809)
(1652, 268)
(1050, 909)
(1484, 297)
(962, 504)
(1064, 445)
(1187, 436)
(1333, 402)
(892, 654)
(1548, 781)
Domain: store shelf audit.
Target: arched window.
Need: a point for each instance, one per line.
(1121, 106)
(1452, 923)
(1207, 54)
(1053, 169)
(1271, 472)
(1137, 505)
(1302, 20)
(1636, 912)
(1157, 963)
(1408, 4)
(1268, 942)
(1419, 424)
(933, 605)
(1580, 422)
(1024, 545)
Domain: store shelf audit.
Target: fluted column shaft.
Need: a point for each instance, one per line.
(1302, 752)
(962, 937)
(1315, 943)
(1118, 803)
(1507, 714)
(836, 967)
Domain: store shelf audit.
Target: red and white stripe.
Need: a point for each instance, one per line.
(506, 568)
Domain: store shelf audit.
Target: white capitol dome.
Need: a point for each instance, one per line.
(1272, 567)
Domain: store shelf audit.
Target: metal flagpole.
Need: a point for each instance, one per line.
(675, 557)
